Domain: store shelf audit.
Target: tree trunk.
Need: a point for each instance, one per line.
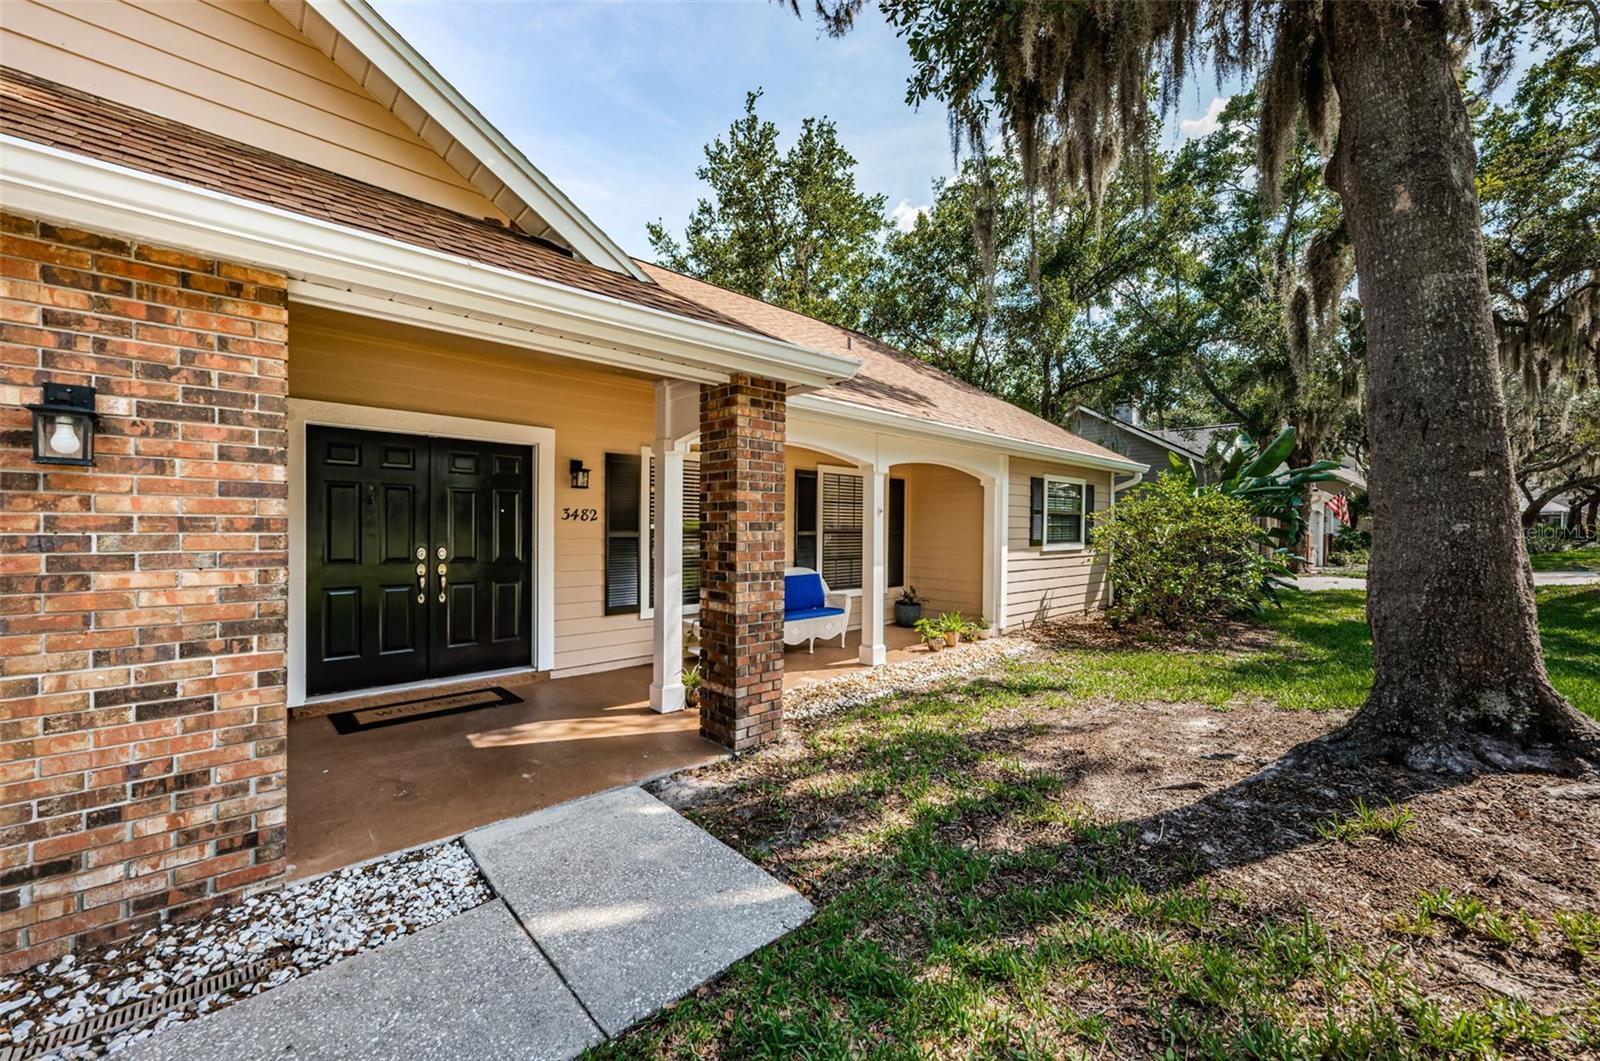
(1459, 674)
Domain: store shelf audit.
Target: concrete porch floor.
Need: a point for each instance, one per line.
(358, 795)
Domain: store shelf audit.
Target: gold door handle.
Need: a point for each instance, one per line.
(444, 583)
(422, 583)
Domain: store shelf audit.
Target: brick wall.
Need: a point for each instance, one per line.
(142, 601)
(741, 567)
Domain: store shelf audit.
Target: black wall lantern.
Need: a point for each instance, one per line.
(63, 425)
(580, 474)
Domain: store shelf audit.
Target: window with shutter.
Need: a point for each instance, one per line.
(622, 474)
(841, 529)
(1063, 512)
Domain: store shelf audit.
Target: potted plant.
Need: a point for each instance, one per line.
(691, 685)
(932, 634)
(908, 609)
(951, 624)
(978, 629)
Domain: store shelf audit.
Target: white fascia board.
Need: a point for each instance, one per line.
(834, 408)
(366, 31)
(47, 182)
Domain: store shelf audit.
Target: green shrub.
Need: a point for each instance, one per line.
(1547, 538)
(1178, 555)
(1350, 547)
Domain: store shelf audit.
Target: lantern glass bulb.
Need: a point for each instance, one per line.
(64, 440)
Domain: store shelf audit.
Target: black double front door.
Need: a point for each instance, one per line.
(417, 558)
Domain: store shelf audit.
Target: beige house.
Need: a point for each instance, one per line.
(378, 408)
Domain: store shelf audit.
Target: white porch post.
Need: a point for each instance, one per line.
(996, 545)
(666, 635)
(874, 561)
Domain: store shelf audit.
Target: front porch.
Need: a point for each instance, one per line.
(355, 796)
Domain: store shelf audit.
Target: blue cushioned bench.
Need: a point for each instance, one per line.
(811, 610)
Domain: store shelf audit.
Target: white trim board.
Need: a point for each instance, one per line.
(343, 267)
(303, 412)
(371, 51)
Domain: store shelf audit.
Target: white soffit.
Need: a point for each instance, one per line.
(361, 43)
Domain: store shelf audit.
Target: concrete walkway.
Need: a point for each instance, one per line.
(1540, 578)
(609, 908)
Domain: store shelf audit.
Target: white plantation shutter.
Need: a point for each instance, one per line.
(841, 519)
(691, 532)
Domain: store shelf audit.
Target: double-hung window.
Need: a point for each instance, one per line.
(1059, 508)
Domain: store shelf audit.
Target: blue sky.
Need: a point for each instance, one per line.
(615, 101)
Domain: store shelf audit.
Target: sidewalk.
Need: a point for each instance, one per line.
(608, 908)
(1540, 578)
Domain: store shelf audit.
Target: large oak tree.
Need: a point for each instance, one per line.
(1460, 680)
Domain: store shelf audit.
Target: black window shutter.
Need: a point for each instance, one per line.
(1036, 510)
(622, 533)
(897, 532)
(1088, 510)
(805, 519)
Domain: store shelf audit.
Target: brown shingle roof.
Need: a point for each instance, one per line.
(890, 380)
(33, 108)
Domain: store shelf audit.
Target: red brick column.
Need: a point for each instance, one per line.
(741, 568)
(142, 600)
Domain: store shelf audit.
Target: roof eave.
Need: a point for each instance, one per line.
(361, 28)
(881, 418)
(50, 183)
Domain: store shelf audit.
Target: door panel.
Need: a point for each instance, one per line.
(373, 501)
(366, 513)
(482, 504)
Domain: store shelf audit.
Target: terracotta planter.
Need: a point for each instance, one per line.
(952, 638)
(935, 644)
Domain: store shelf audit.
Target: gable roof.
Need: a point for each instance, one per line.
(1159, 438)
(65, 118)
(1197, 440)
(890, 380)
(356, 37)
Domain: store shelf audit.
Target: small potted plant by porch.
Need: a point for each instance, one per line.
(691, 685)
(932, 632)
(978, 630)
(908, 609)
(951, 625)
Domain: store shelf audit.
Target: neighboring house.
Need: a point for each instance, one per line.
(378, 404)
(1154, 447)
(1196, 447)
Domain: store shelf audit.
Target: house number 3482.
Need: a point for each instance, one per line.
(580, 515)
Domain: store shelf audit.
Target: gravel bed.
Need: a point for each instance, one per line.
(829, 695)
(307, 925)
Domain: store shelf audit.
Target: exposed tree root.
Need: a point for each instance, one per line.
(1563, 742)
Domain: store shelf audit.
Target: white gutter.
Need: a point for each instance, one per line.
(901, 422)
(46, 182)
(1117, 488)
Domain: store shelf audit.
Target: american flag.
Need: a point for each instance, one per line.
(1340, 508)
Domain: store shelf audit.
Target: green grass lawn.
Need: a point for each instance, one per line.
(1584, 559)
(1323, 659)
(972, 904)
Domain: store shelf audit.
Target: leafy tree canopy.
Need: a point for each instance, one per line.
(788, 227)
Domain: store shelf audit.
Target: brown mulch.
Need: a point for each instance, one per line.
(1091, 632)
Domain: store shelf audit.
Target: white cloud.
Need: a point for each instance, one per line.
(1207, 123)
(905, 215)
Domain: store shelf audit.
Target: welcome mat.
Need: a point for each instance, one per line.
(363, 718)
